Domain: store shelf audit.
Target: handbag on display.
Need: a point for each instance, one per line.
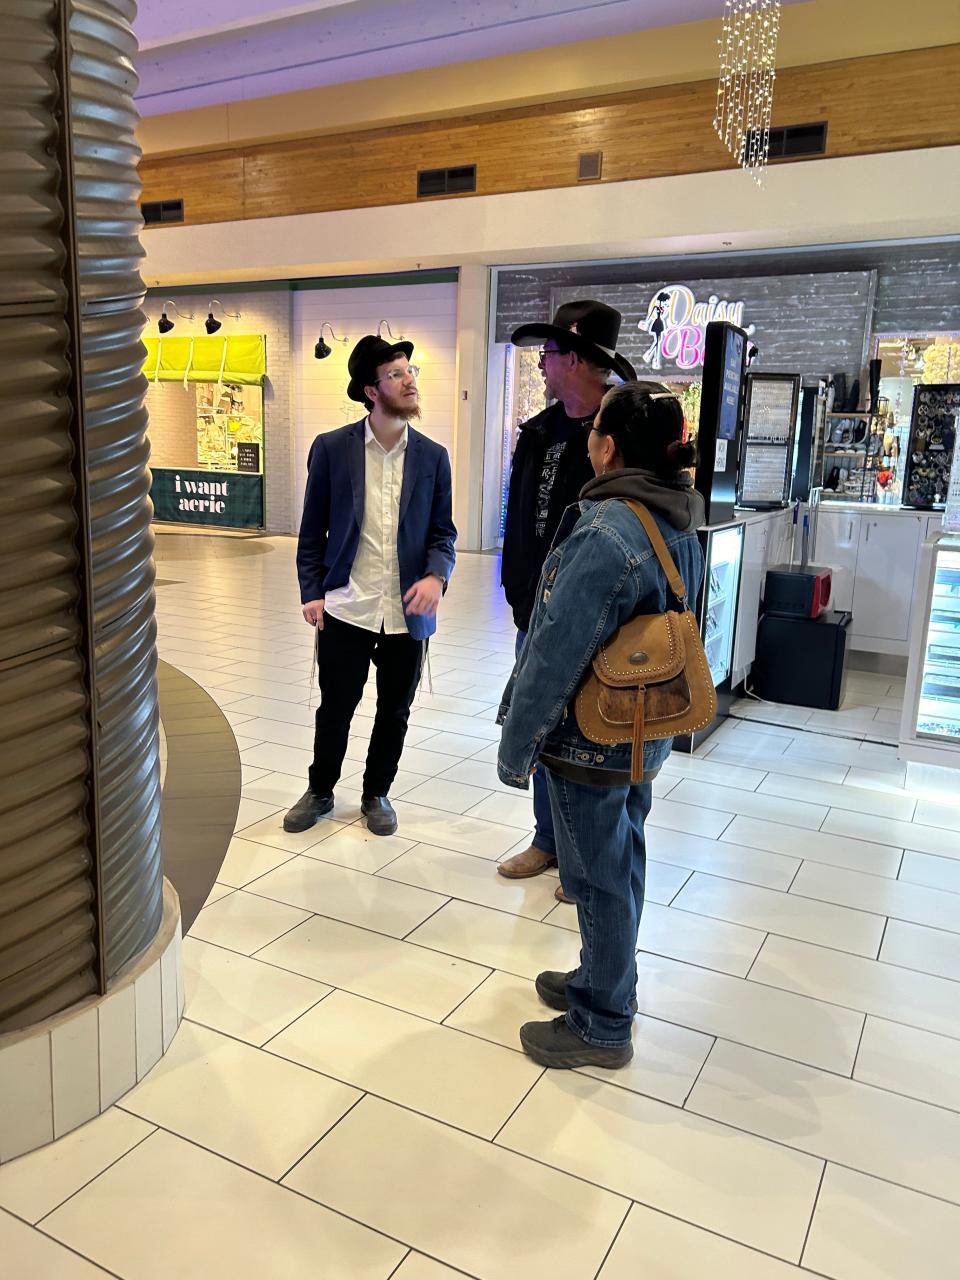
(651, 679)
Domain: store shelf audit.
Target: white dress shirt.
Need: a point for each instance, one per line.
(371, 599)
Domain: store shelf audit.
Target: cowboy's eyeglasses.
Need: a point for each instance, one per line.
(398, 375)
(548, 351)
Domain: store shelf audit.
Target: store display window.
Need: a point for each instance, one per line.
(205, 400)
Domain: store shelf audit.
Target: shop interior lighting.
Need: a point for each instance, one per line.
(322, 350)
(165, 324)
(380, 328)
(210, 324)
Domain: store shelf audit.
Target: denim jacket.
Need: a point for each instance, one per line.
(600, 572)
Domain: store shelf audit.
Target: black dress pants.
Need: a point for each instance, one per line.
(344, 654)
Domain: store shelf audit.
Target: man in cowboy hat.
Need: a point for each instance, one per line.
(376, 551)
(550, 466)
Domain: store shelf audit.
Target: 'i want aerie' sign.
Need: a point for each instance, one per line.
(676, 323)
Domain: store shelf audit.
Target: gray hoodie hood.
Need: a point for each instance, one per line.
(672, 497)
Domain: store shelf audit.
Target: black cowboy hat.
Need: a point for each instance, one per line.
(369, 353)
(589, 328)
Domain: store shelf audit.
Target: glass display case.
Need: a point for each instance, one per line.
(721, 586)
(930, 728)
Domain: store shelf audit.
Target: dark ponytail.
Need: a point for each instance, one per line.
(645, 422)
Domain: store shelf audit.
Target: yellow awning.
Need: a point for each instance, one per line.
(238, 358)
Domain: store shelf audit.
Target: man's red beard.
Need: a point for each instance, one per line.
(399, 405)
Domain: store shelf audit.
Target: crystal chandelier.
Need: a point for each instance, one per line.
(748, 54)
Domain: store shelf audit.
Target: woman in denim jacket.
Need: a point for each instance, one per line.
(600, 572)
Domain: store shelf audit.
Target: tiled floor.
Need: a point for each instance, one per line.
(347, 1097)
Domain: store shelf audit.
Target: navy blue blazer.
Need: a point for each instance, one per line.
(333, 514)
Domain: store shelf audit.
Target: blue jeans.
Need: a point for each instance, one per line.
(543, 837)
(603, 862)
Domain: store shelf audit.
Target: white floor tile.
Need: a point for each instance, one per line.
(232, 1098)
(455, 745)
(351, 896)
(243, 922)
(915, 946)
(251, 812)
(240, 996)
(369, 964)
(380, 1160)
(806, 1030)
(458, 875)
(896, 898)
(658, 1247)
(841, 796)
(515, 810)
(668, 1159)
(868, 986)
(932, 813)
(865, 1229)
(452, 831)
(428, 718)
(843, 1121)
(784, 766)
(498, 940)
(837, 851)
(917, 1064)
(34, 1185)
(773, 911)
(664, 881)
(291, 761)
(190, 1214)
(707, 769)
(356, 848)
(30, 1255)
(689, 818)
(928, 869)
(751, 804)
(719, 857)
(436, 1070)
(441, 793)
(908, 835)
(416, 1267)
(270, 831)
(666, 1058)
(246, 860)
(270, 709)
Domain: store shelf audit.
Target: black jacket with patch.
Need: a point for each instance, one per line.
(524, 549)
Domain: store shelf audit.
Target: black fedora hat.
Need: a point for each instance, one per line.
(589, 328)
(366, 356)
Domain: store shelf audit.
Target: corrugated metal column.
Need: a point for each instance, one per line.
(80, 876)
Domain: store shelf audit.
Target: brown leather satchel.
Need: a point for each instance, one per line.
(651, 679)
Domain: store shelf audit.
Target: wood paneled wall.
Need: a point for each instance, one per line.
(891, 102)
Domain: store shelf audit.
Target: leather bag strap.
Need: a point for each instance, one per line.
(677, 585)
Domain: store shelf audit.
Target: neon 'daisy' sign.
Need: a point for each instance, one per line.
(676, 321)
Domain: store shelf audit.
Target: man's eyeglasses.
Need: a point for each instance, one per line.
(398, 375)
(548, 351)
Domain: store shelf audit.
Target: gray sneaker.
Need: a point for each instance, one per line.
(308, 811)
(552, 989)
(555, 1044)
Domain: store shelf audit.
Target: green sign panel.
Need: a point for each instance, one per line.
(208, 497)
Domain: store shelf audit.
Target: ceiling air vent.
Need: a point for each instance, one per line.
(590, 166)
(158, 211)
(447, 182)
(794, 141)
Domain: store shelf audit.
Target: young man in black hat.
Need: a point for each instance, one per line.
(550, 466)
(376, 551)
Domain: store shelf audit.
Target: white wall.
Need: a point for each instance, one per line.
(426, 314)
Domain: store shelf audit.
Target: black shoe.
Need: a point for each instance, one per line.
(380, 815)
(556, 1044)
(552, 989)
(308, 810)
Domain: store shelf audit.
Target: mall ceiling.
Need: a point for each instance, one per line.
(197, 53)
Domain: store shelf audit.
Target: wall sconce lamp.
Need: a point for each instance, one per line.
(165, 324)
(322, 350)
(210, 324)
(380, 328)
